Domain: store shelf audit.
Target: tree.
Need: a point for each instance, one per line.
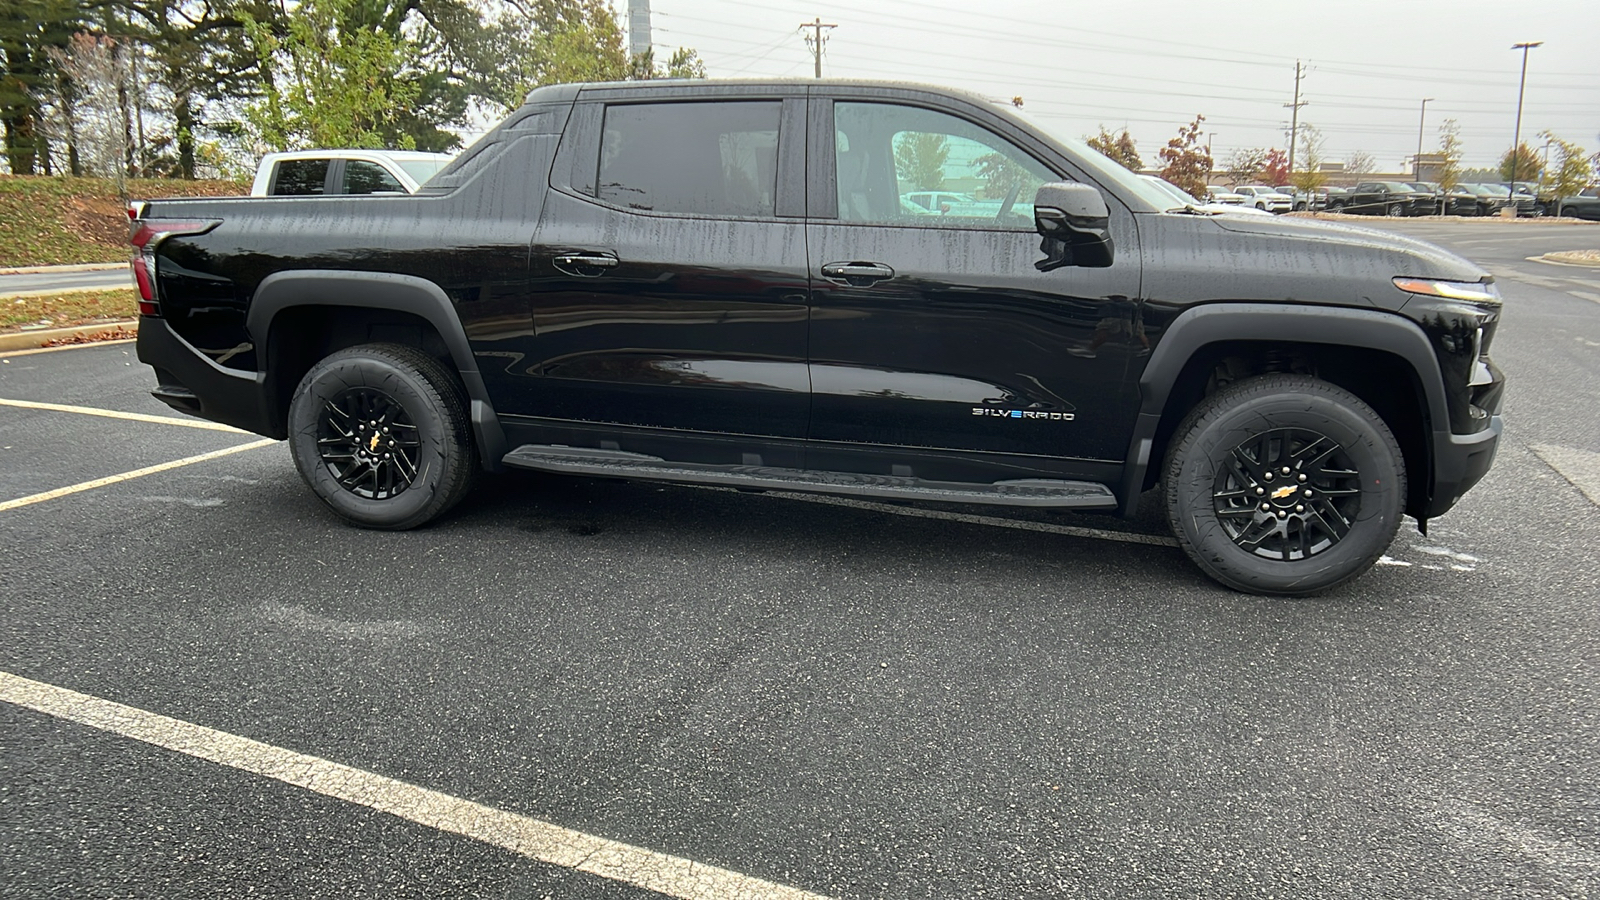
(919, 160)
(1449, 157)
(1120, 149)
(84, 107)
(1570, 173)
(684, 63)
(1360, 163)
(1276, 169)
(1188, 162)
(28, 30)
(328, 82)
(1310, 176)
(1528, 164)
(549, 42)
(1245, 165)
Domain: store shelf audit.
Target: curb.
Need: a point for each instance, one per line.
(51, 270)
(32, 340)
(1557, 258)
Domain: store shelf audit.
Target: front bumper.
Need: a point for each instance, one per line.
(1459, 462)
(189, 382)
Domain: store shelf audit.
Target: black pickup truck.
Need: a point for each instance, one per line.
(724, 283)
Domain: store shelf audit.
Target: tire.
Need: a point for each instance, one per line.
(1261, 206)
(1216, 485)
(1397, 209)
(356, 401)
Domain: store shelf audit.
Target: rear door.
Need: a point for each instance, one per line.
(936, 333)
(669, 268)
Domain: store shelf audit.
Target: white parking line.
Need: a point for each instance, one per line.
(117, 414)
(128, 476)
(543, 841)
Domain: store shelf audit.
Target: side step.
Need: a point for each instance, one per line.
(1036, 492)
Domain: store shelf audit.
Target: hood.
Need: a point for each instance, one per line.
(1413, 257)
(1273, 259)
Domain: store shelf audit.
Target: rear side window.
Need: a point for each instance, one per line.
(362, 177)
(301, 176)
(715, 159)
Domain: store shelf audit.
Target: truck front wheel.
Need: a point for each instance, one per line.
(1284, 484)
(380, 433)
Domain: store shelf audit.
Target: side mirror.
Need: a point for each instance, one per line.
(1075, 224)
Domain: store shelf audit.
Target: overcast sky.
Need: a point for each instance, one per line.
(1151, 65)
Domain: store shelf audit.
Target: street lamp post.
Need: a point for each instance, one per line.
(1416, 161)
(1516, 135)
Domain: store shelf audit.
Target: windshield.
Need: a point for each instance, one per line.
(422, 169)
(1101, 167)
(1499, 190)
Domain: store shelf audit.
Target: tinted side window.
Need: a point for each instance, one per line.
(301, 176)
(888, 156)
(718, 158)
(362, 177)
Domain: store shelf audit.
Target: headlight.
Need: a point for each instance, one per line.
(1476, 291)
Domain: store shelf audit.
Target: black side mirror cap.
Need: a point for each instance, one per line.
(1075, 223)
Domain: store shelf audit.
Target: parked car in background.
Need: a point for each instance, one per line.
(1338, 199)
(1390, 198)
(1181, 196)
(1303, 200)
(1216, 193)
(1524, 201)
(1586, 205)
(1486, 201)
(1528, 200)
(303, 172)
(1265, 198)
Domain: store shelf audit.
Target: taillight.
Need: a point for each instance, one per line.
(147, 234)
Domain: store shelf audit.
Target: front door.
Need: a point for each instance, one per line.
(931, 329)
(669, 277)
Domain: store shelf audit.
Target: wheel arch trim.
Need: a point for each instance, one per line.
(1201, 326)
(388, 291)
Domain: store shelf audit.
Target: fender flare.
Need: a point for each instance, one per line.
(383, 290)
(1214, 323)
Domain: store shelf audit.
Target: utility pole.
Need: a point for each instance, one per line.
(816, 39)
(1516, 136)
(1416, 161)
(1294, 118)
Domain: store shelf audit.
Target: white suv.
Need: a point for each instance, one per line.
(1265, 198)
(305, 172)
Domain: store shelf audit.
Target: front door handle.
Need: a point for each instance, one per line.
(857, 274)
(585, 265)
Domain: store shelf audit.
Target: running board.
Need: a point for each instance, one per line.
(1037, 492)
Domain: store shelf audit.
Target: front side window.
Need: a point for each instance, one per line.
(301, 176)
(703, 158)
(903, 165)
(362, 177)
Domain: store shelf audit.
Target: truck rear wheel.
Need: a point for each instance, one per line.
(380, 433)
(1285, 485)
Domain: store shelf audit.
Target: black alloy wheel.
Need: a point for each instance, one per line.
(380, 432)
(368, 443)
(1284, 485)
(1288, 494)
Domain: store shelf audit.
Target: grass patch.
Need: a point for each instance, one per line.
(66, 310)
(54, 220)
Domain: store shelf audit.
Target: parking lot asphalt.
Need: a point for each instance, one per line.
(854, 700)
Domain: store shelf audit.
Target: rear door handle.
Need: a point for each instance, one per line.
(857, 274)
(583, 264)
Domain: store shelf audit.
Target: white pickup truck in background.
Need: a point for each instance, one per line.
(302, 172)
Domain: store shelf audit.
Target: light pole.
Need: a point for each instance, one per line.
(1516, 135)
(1416, 161)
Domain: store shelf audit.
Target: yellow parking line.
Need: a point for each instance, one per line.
(115, 414)
(672, 876)
(128, 476)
